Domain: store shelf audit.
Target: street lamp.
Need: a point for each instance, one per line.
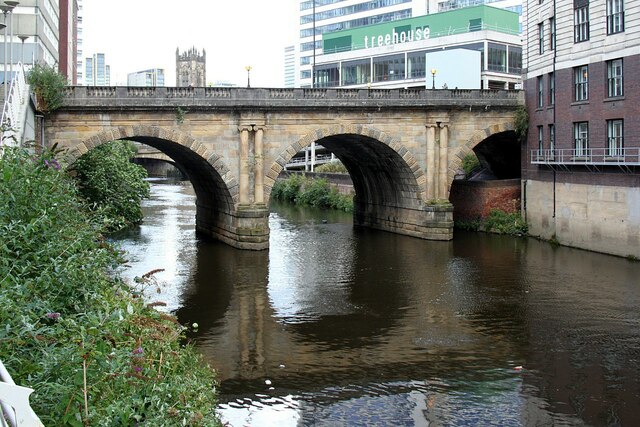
(22, 39)
(5, 9)
(248, 68)
(12, 5)
(433, 76)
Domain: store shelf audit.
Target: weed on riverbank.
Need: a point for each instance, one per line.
(93, 352)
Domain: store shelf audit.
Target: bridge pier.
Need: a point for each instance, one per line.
(430, 222)
(246, 228)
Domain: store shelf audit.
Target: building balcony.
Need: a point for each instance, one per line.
(592, 158)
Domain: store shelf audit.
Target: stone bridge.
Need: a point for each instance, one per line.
(402, 148)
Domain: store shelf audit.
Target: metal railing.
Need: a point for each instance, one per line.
(16, 410)
(615, 156)
(10, 121)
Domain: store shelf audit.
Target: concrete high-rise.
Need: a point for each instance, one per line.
(151, 77)
(35, 27)
(191, 68)
(97, 72)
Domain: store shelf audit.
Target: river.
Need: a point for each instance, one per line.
(342, 326)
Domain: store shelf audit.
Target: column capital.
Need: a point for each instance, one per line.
(245, 127)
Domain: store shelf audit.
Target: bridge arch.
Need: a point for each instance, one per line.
(215, 185)
(356, 145)
(388, 181)
(497, 133)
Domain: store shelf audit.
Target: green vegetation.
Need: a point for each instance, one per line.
(112, 184)
(305, 191)
(470, 163)
(502, 222)
(521, 123)
(335, 166)
(499, 222)
(180, 113)
(94, 353)
(48, 86)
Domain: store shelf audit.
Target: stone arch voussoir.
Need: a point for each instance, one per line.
(342, 129)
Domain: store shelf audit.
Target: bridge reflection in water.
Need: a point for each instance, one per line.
(342, 326)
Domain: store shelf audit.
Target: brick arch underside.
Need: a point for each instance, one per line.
(211, 179)
(496, 146)
(383, 171)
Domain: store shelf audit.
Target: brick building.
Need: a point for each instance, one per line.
(581, 165)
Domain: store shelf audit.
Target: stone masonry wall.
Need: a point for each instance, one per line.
(594, 217)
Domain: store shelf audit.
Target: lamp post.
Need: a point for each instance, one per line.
(248, 68)
(5, 9)
(22, 39)
(12, 5)
(433, 77)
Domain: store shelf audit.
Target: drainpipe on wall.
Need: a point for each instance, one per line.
(555, 130)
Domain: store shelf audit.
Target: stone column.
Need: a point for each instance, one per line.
(244, 164)
(443, 179)
(431, 162)
(258, 194)
(313, 156)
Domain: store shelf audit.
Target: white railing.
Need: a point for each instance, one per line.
(614, 156)
(12, 107)
(16, 410)
(320, 158)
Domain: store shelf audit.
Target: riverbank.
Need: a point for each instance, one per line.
(92, 350)
(311, 191)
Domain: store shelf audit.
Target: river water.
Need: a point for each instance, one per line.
(341, 326)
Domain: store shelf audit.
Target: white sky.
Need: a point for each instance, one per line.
(136, 35)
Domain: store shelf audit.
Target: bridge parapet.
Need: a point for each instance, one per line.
(303, 98)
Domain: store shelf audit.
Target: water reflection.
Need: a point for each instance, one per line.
(341, 326)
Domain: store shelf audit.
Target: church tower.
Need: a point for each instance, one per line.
(191, 70)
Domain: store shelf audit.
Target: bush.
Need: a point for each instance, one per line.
(335, 166)
(48, 86)
(304, 191)
(502, 222)
(112, 184)
(470, 163)
(94, 354)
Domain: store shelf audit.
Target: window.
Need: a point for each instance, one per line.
(581, 138)
(552, 138)
(356, 72)
(614, 78)
(552, 33)
(388, 68)
(515, 60)
(552, 89)
(614, 138)
(540, 142)
(540, 89)
(615, 16)
(581, 22)
(581, 83)
(305, 74)
(497, 57)
(416, 65)
(541, 38)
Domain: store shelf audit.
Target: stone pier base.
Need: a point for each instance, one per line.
(431, 222)
(246, 228)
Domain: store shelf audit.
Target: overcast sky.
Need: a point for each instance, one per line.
(140, 34)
